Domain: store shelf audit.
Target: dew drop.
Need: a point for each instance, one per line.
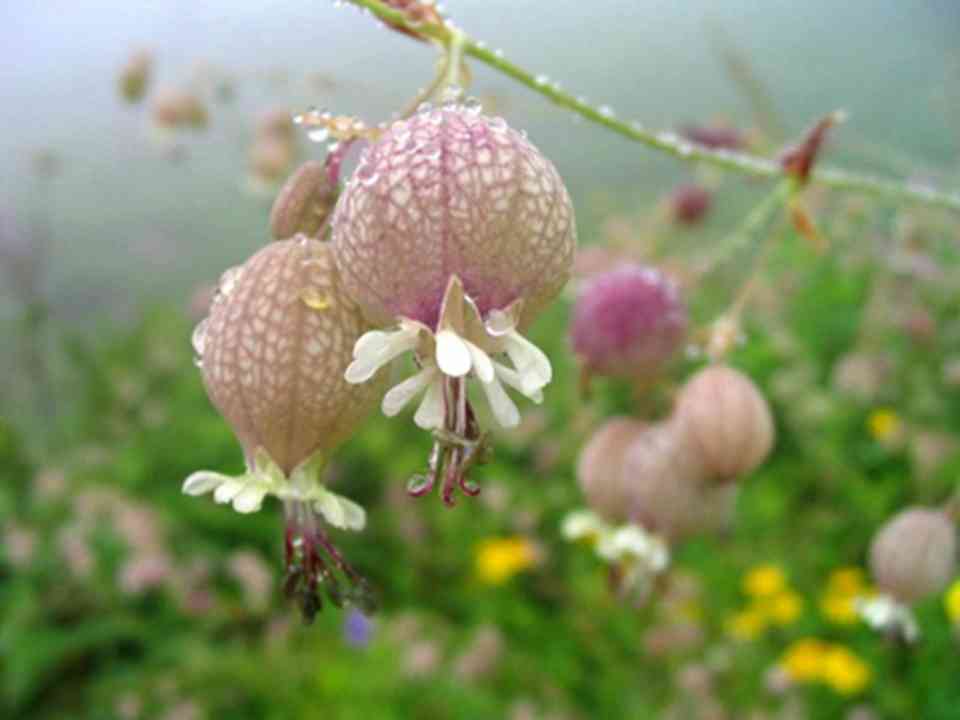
(199, 339)
(451, 95)
(315, 299)
(228, 281)
(319, 134)
(498, 53)
(424, 107)
(541, 80)
(473, 105)
(606, 111)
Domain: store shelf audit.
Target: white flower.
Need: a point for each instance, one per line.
(886, 614)
(584, 525)
(635, 546)
(247, 492)
(461, 347)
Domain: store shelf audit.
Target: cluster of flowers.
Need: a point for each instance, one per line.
(452, 234)
(650, 485)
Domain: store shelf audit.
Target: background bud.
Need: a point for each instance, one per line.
(689, 204)
(726, 420)
(628, 321)
(600, 468)
(303, 203)
(271, 158)
(665, 485)
(135, 75)
(174, 108)
(274, 350)
(914, 554)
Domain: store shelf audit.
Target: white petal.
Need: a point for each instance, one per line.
(371, 342)
(377, 352)
(249, 499)
(530, 361)
(453, 355)
(339, 511)
(203, 482)
(502, 406)
(482, 364)
(228, 490)
(431, 412)
(399, 395)
(500, 323)
(513, 379)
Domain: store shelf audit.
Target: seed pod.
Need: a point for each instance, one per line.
(600, 468)
(453, 193)
(303, 203)
(271, 158)
(135, 75)
(689, 204)
(727, 422)
(274, 349)
(914, 554)
(666, 488)
(627, 322)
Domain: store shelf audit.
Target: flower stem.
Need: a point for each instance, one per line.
(666, 141)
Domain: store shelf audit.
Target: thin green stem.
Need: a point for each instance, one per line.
(668, 142)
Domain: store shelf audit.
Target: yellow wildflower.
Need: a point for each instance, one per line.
(848, 580)
(839, 608)
(843, 671)
(499, 559)
(764, 581)
(803, 660)
(884, 425)
(747, 624)
(784, 608)
(952, 602)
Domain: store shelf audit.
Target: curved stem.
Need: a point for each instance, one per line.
(667, 142)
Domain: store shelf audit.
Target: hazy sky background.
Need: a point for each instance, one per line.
(130, 223)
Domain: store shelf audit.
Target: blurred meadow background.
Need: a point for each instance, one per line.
(122, 598)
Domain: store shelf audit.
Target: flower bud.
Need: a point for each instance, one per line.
(666, 489)
(914, 554)
(277, 123)
(304, 202)
(271, 158)
(689, 204)
(627, 321)
(174, 109)
(135, 75)
(726, 420)
(600, 468)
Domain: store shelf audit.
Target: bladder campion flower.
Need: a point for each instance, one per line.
(272, 352)
(455, 229)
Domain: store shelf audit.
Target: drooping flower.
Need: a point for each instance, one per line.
(273, 352)
(627, 322)
(457, 232)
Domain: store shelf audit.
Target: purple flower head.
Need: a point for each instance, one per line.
(628, 321)
(357, 629)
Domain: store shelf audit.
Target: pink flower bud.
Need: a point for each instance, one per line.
(914, 554)
(628, 321)
(726, 420)
(135, 75)
(600, 468)
(689, 204)
(174, 108)
(304, 202)
(666, 489)
(453, 193)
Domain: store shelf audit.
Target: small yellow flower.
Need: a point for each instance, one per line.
(843, 671)
(952, 602)
(784, 608)
(764, 581)
(499, 559)
(848, 580)
(839, 608)
(803, 660)
(747, 624)
(884, 425)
